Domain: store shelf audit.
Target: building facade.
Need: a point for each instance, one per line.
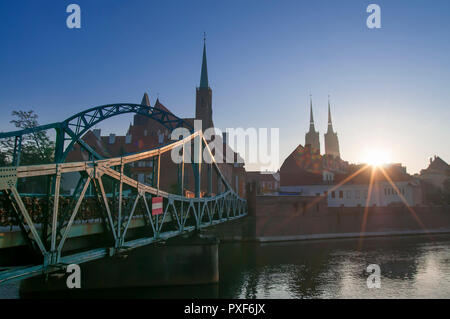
(437, 172)
(358, 187)
(267, 183)
(145, 134)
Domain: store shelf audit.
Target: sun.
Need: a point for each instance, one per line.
(376, 157)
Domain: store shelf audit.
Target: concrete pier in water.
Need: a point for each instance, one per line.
(185, 260)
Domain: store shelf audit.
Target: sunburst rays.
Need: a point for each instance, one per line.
(370, 194)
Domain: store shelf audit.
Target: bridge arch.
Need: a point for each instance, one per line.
(71, 130)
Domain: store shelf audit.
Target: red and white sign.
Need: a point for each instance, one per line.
(157, 205)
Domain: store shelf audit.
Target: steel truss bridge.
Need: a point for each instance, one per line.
(127, 199)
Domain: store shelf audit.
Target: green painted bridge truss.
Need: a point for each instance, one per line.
(72, 129)
(120, 205)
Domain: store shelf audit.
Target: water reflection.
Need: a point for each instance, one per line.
(411, 267)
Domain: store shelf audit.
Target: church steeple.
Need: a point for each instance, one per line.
(204, 74)
(330, 123)
(312, 137)
(145, 100)
(331, 138)
(203, 103)
(311, 116)
(140, 119)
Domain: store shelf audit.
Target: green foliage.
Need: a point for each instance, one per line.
(37, 148)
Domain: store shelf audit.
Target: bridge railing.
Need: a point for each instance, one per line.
(46, 235)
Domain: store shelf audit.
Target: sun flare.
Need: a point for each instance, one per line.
(376, 157)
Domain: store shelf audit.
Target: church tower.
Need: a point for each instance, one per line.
(312, 137)
(203, 104)
(140, 119)
(331, 138)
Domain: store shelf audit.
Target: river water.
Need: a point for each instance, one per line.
(411, 267)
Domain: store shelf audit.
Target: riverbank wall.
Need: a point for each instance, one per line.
(279, 218)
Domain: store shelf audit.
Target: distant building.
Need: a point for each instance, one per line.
(203, 103)
(331, 138)
(436, 173)
(341, 189)
(306, 165)
(145, 134)
(267, 183)
(312, 136)
(306, 172)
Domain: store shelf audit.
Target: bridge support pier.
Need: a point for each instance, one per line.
(184, 260)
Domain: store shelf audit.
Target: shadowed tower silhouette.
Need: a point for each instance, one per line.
(203, 105)
(312, 137)
(331, 138)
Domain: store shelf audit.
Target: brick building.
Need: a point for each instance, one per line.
(145, 134)
(305, 172)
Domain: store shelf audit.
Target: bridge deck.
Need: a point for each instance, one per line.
(47, 234)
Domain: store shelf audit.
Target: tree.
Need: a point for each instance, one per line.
(37, 148)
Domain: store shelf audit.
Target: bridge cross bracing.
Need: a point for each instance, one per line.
(47, 237)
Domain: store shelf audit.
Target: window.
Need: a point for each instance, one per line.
(357, 194)
(333, 194)
(148, 179)
(160, 137)
(349, 194)
(341, 194)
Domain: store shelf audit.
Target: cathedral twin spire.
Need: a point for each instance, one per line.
(331, 139)
(330, 123)
(311, 117)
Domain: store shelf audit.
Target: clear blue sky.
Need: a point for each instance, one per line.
(389, 87)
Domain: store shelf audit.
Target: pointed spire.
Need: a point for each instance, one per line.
(311, 117)
(204, 75)
(330, 123)
(145, 100)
